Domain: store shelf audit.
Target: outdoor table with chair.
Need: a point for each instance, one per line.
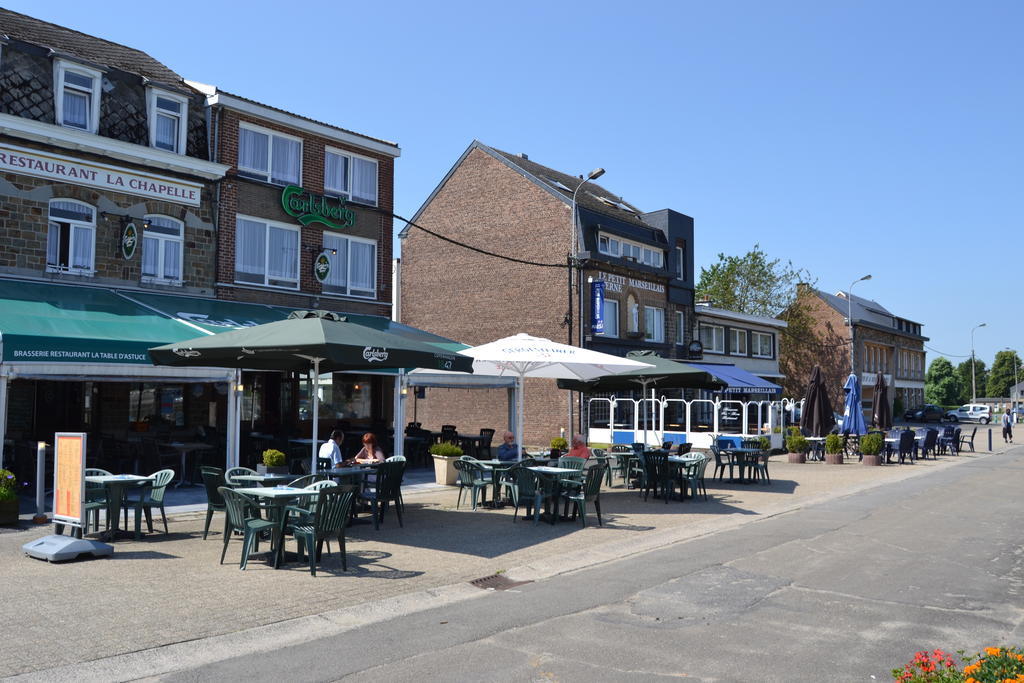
(116, 486)
(185, 449)
(275, 500)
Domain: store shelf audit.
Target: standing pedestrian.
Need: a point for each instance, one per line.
(1007, 427)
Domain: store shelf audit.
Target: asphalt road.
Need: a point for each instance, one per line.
(842, 591)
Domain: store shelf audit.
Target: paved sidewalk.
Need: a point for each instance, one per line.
(170, 588)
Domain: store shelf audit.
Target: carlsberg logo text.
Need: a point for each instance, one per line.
(372, 354)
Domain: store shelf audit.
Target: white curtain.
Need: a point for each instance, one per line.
(172, 260)
(76, 109)
(150, 256)
(81, 247)
(362, 266)
(336, 172)
(167, 132)
(250, 250)
(337, 280)
(252, 150)
(364, 181)
(283, 248)
(286, 160)
(53, 245)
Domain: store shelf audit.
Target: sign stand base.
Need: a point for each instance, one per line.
(55, 548)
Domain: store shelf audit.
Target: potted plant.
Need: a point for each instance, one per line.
(559, 446)
(871, 446)
(8, 498)
(274, 462)
(834, 449)
(445, 454)
(797, 446)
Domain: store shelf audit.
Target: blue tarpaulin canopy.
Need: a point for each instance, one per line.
(738, 380)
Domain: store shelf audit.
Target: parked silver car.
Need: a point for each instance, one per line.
(970, 412)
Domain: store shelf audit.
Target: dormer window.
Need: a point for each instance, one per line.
(77, 101)
(168, 120)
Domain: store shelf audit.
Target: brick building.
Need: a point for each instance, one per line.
(509, 206)
(882, 342)
(106, 196)
(299, 192)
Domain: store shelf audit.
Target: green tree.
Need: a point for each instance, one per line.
(753, 283)
(981, 378)
(942, 383)
(1001, 376)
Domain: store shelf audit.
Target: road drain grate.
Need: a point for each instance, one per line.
(497, 582)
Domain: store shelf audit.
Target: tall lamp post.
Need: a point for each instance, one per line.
(974, 381)
(849, 314)
(573, 263)
(1016, 392)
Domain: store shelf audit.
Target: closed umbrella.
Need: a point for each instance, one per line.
(881, 411)
(853, 414)
(317, 341)
(817, 416)
(523, 356)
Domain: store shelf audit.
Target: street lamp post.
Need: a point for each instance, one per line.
(849, 315)
(974, 387)
(573, 266)
(1016, 391)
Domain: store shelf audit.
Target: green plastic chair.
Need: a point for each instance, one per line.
(213, 479)
(307, 508)
(332, 510)
(590, 491)
(528, 490)
(307, 479)
(572, 463)
(657, 475)
(474, 477)
(231, 473)
(239, 508)
(759, 465)
(150, 497)
(95, 499)
(389, 490)
(693, 478)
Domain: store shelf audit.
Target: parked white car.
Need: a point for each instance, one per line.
(970, 412)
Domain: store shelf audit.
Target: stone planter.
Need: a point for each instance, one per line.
(444, 470)
(872, 460)
(277, 469)
(8, 512)
(797, 458)
(833, 458)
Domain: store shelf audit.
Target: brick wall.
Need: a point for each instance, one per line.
(475, 298)
(263, 200)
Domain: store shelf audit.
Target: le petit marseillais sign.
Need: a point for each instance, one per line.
(306, 208)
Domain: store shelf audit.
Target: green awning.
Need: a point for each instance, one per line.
(41, 322)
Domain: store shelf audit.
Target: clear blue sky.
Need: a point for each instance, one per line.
(852, 137)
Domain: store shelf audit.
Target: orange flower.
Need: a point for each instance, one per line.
(992, 651)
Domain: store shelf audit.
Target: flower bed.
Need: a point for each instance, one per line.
(994, 665)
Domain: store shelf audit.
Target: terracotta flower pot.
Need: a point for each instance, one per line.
(833, 458)
(798, 458)
(872, 460)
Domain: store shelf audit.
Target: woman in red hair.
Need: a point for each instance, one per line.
(370, 452)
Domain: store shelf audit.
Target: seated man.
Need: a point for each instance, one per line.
(508, 451)
(332, 448)
(579, 448)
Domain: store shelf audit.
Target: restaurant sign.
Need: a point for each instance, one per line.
(322, 267)
(92, 174)
(616, 283)
(307, 208)
(68, 477)
(129, 240)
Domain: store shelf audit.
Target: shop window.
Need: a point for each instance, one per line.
(761, 344)
(738, 342)
(680, 328)
(71, 237)
(342, 397)
(268, 156)
(151, 406)
(654, 324)
(266, 253)
(350, 176)
(353, 266)
(77, 101)
(712, 337)
(611, 318)
(168, 120)
(161, 249)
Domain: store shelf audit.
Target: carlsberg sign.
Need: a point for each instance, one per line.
(307, 208)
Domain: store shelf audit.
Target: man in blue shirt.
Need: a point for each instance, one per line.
(508, 451)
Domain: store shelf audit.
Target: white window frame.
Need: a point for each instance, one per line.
(151, 96)
(754, 347)
(657, 329)
(715, 336)
(347, 191)
(335, 289)
(266, 252)
(610, 245)
(71, 225)
(61, 67)
(608, 331)
(680, 328)
(258, 174)
(162, 241)
(681, 263)
(735, 335)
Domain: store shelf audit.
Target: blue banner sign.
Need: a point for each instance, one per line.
(597, 307)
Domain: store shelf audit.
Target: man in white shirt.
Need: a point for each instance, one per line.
(332, 448)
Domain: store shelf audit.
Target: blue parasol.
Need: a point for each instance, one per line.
(853, 415)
